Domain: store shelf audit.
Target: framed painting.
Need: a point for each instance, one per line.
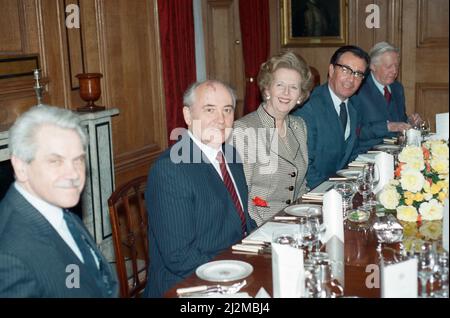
(313, 22)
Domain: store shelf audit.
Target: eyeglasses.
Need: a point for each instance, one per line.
(348, 71)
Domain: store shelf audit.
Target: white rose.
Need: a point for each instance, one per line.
(439, 150)
(407, 213)
(416, 164)
(412, 180)
(410, 153)
(389, 198)
(431, 210)
(439, 165)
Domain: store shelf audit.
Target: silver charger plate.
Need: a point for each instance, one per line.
(224, 271)
(305, 210)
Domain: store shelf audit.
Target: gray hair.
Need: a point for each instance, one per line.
(189, 94)
(379, 49)
(22, 135)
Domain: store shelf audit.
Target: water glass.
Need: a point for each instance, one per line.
(426, 262)
(347, 190)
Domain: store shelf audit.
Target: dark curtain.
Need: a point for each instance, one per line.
(176, 27)
(254, 18)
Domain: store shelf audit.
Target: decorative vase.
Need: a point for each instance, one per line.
(90, 91)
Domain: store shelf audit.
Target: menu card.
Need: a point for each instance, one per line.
(332, 215)
(399, 280)
(288, 273)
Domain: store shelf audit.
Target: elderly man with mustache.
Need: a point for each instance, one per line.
(45, 250)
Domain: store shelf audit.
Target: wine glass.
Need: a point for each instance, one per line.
(365, 186)
(425, 127)
(347, 190)
(426, 262)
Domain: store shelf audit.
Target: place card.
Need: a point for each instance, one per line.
(399, 280)
(288, 275)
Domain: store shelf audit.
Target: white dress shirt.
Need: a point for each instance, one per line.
(54, 215)
(379, 85)
(337, 106)
(211, 154)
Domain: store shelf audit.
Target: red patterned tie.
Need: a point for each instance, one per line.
(231, 189)
(387, 94)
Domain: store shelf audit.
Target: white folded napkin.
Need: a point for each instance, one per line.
(442, 125)
(366, 157)
(262, 293)
(288, 275)
(335, 250)
(264, 233)
(357, 164)
(445, 226)
(332, 215)
(384, 168)
(390, 141)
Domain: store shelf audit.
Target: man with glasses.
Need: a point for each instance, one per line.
(381, 99)
(330, 116)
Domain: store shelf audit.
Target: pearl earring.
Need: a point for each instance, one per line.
(267, 97)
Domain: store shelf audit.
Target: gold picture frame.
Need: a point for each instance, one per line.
(313, 22)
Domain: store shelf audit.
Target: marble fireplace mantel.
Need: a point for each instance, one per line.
(100, 175)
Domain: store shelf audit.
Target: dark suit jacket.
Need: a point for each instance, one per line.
(328, 151)
(34, 259)
(190, 213)
(374, 112)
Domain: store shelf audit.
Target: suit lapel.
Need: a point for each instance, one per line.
(45, 230)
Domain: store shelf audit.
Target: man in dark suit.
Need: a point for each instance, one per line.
(330, 116)
(196, 201)
(381, 99)
(45, 251)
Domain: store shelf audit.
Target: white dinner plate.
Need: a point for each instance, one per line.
(349, 173)
(224, 271)
(306, 210)
(386, 147)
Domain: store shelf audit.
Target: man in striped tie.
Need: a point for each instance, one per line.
(196, 195)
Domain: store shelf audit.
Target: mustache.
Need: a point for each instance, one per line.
(68, 184)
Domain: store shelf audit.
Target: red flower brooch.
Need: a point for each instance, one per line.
(257, 201)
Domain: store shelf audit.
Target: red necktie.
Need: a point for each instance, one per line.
(387, 94)
(231, 189)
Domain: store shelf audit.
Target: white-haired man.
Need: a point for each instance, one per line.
(45, 251)
(381, 99)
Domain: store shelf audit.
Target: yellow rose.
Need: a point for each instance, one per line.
(407, 213)
(431, 210)
(418, 197)
(409, 195)
(442, 196)
(435, 188)
(412, 180)
(389, 198)
(427, 187)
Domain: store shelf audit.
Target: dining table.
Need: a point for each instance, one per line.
(361, 263)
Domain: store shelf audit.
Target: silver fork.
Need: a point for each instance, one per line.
(208, 290)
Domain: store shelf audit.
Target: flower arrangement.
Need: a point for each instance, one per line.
(420, 187)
